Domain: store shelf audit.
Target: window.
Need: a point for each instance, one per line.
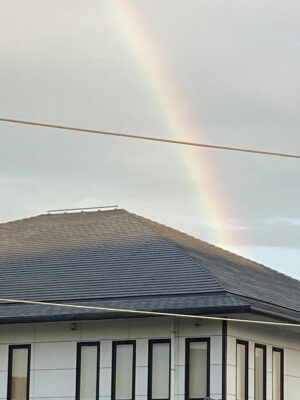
(197, 365)
(123, 370)
(159, 370)
(260, 372)
(278, 374)
(241, 370)
(18, 372)
(87, 371)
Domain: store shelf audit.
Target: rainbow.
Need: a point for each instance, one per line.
(176, 118)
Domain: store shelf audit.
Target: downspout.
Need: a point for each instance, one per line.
(224, 359)
(173, 382)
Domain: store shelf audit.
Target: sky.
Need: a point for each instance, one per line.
(215, 71)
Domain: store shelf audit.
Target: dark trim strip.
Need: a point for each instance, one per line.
(264, 348)
(150, 364)
(115, 344)
(10, 367)
(224, 359)
(281, 352)
(187, 367)
(246, 366)
(78, 366)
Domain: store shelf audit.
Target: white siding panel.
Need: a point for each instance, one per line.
(199, 328)
(3, 384)
(231, 397)
(141, 381)
(3, 357)
(54, 398)
(216, 350)
(251, 355)
(292, 362)
(216, 380)
(180, 382)
(105, 329)
(150, 328)
(57, 332)
(142, 353)
(15, 334)
(231, 355)
(251, 382)
(269, 385)
(55, 355)
(231, 380)
(54, 383)
(181, 351)
(292, 387)
(105, 353)
(105, 382)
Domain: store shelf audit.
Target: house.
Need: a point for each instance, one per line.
(120, 261)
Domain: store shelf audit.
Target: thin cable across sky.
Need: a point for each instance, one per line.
(150, 138)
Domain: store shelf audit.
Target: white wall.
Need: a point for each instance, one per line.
(286, 338)
(53, 353)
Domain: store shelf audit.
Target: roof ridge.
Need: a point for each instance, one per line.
(21, 219)
(143, 221)
(53, 214)
(220, 249)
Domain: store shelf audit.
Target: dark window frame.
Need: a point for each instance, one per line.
(150, 362)
(264, 348)
(246, 344)
(78, 366)
(281, 351)
(187, 367)
(115, 344)
(11, 349)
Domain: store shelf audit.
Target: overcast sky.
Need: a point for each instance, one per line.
(227, 68)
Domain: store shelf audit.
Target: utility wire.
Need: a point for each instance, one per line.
(152, 313)
(150, 138)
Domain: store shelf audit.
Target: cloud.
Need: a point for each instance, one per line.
(274, 232)
(236, 67)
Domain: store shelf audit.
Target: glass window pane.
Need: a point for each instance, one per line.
(277, 375)
(88, 372)
(124, 371)
(19, 374)
(198, 370)
(160, 370)
(259, 373)
(241, 372)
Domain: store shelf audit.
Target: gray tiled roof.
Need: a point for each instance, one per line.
(236, 274)
(127, 261)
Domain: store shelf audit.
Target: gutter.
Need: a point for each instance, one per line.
(274, 314)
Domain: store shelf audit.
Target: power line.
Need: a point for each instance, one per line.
(149, 138)
(152, 313)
